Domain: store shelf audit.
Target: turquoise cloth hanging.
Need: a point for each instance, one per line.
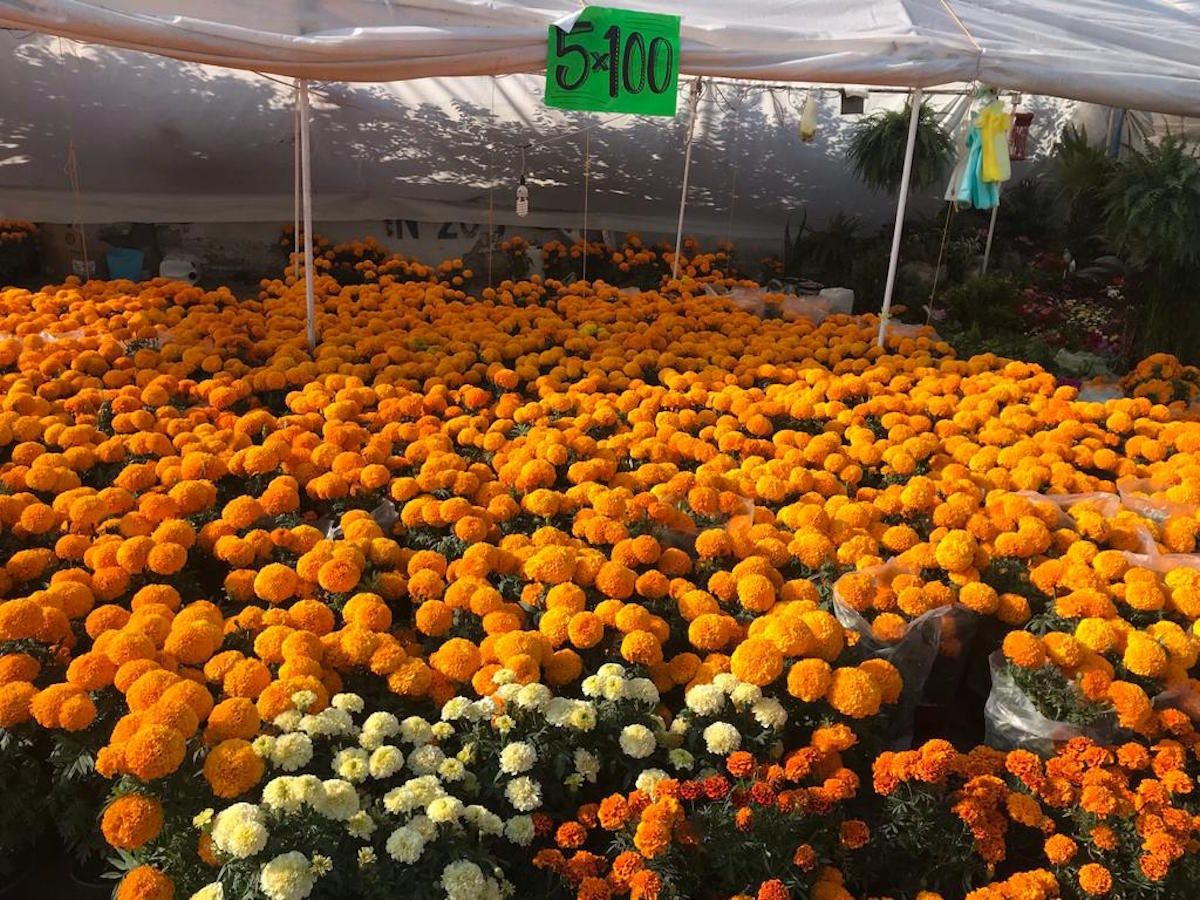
(974, 191)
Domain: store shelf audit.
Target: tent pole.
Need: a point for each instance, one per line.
(901, 205)
(987, 249)
(310, 316)
(296, 186)
(693, 102)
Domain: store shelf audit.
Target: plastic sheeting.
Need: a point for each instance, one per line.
(158, 140)
(1127, 53)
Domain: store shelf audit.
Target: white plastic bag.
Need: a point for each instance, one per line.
(1013, 721)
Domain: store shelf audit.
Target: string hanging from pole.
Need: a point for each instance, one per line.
(937, 269)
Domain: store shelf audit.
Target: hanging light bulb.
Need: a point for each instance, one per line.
(522, 199)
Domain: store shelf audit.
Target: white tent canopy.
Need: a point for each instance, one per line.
(1128, 53)
(158, 140)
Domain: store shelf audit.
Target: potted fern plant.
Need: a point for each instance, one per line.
(877, 147)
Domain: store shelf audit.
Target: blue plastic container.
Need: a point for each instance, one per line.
(123, 263)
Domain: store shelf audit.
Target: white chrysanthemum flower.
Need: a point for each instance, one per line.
(377, 728)
(444, 810)
(463, 880)
(590, 686)
(745, 694)
(451, 770)
(413, 794)
(340, 801)
(612, 687)
(214, 891)
(648, 779)
(721, 738)
(288, 720)
(726, 682)
(202, 818)
(309, 788)
(519, 830)
(425, 759)
(558, 711)
(315, 726)
(351, 703)
(415, 730)
(643, 691)
(292, 751)
(508, 692)
(769, 713)
(351, 764)
(705, 699)
(583, 716)
(533, 696)
(504, 724)
(524, 794)
(587, 764)
(679, 726)
(637, 741)
(239, 830)
(280, 795)
(321, 865)
(483, 708)
(287, 877)
(405, 845)
(263, 746)
(336, 721)
(681, 759)
(385, 761)
(504, 676)
(304, 700)
(442, 731)
(455, 708)
(517, 757)
(366, 857)
(466, 755)
(611, 670)
(425, 826)
(360, 825)
(485, 821)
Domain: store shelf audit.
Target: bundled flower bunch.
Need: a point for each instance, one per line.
(1089, 821)
(362, 262)
(544, 592)
(1164, 379)
(17, 231)
(637, 264)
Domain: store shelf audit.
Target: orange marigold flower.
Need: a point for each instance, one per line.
(1095, 880)
(232, 768)
(131, 821)
(145, 883)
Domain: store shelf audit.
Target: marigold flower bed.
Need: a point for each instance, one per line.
(565, 591)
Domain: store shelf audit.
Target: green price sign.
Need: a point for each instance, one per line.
(615, 60)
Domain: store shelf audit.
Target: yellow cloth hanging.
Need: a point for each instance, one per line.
(994, 125)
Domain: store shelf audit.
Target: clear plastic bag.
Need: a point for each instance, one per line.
(1137, 494)
(1013, 721)
(814, 308)
(936, 637)
(385, 514)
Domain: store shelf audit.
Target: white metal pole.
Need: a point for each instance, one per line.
(987, 250)
(296, 186)
(310, 313)
(901, 205)
(693, 102)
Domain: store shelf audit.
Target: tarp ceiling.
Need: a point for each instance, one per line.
(157, 140)
(1128, 53)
